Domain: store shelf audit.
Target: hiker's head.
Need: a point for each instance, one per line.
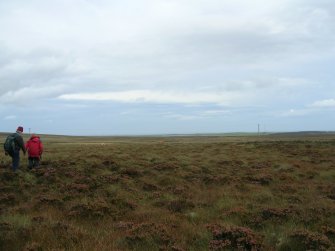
(20, 129)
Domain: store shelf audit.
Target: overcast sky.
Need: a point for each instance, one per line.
(97, 67)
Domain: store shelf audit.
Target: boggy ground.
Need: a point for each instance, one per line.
(172, 194)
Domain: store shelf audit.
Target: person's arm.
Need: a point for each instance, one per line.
(27, 146)
(21, 143)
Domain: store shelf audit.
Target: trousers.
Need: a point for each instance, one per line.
(33, 162)
(15, 160)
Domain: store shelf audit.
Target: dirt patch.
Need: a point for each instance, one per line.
(131, 172)
(149, 187)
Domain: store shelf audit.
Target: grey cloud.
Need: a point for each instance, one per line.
(195, 50)
(37, 69)
(30, 94)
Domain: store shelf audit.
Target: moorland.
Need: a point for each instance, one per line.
(268, 192)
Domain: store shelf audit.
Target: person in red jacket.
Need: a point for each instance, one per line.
(34, 148)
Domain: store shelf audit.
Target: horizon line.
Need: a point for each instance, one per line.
(185, 134)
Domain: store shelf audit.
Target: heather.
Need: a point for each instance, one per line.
(172, 193)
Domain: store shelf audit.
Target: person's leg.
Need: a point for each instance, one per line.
(30, 162)
(37, 162)
(16, 160)
(34, 162)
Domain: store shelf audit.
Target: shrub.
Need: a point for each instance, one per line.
(180, 205)
(302, 240)
(276, 213)
(329, 232)
(145, 236)
(234, 237)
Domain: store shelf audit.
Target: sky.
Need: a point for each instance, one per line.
(98, 67)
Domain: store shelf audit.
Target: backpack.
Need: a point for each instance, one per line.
(9, 145)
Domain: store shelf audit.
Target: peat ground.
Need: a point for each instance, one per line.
(172, 193)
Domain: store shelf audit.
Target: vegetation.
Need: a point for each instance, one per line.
(172, 193)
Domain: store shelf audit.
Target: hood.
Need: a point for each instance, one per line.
(34, 138)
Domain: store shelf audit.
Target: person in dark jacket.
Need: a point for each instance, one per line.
(17, 146)
(34, 148)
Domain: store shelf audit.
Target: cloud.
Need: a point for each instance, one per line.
(182, 117)
(30, 95)
(296, 112)
(324, 103)
(150, 96)
(216, 112)
(271, 55)
(200, 112)
(35, 71)
(10, 117)
(151, 44)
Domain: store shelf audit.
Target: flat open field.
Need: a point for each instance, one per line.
(172, 193)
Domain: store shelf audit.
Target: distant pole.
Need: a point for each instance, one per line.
(258, 130)
(29, 131)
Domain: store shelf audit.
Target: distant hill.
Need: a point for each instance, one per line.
(303, 133)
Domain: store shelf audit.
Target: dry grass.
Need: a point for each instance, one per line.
(178, 193)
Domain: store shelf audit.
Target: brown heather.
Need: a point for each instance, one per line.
(172, 193)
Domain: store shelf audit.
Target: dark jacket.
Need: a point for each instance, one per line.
(19, 143)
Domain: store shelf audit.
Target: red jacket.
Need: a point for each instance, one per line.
(34, 146)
